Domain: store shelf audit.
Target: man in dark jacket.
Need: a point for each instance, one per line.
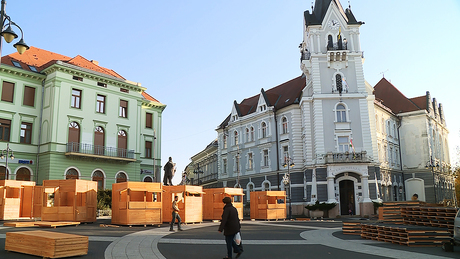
(230, 224)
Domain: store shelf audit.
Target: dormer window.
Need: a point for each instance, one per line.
(32, 68)
(16, 64)
(262, 107)
(234, 117)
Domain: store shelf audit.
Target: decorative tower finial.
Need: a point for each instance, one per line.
(349, 5)
(311, 6)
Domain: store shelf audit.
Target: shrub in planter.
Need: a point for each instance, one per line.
(323, 206)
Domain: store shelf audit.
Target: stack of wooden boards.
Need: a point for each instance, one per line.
(46, 244)
(409, 235)
(410, 223)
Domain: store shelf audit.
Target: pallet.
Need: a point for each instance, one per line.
(351, 228)
(46, 244)
(430, 216)
(43, 224)
(409, 235)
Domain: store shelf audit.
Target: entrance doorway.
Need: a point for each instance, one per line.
(347, 197)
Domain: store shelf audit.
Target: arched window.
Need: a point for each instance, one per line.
(72, 173)
(266, 186)
(341, 113)
(338, 83)
(285, 125)
(121, 177)
(247, 135)
(252, 133)
(383, 125)
(99, 139)
(330, 44)
(122, 143)
(74, 137)
(264, 129)
(225, 140)
(98, 177)
(23, 174)
(148, 179)
(3, 173)
(235, 134)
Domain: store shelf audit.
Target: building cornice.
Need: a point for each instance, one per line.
(21, 72)
(93, 75)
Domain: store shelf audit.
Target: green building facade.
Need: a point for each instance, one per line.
(65, 117)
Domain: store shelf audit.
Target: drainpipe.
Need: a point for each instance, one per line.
(40, 131)
(277, 150)
(400, 159)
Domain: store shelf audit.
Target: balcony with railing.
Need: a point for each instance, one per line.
(348, 157)
(99, 152)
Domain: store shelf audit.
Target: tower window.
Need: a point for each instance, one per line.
(338, 83)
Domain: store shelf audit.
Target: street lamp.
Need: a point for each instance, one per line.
(8, 34)
(5, 153)
(288, 162)
(432, 165)
(198, 171)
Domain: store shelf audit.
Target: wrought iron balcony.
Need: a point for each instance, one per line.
(100, 152)
(348, 157)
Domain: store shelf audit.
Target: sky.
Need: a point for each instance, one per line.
(197, 57)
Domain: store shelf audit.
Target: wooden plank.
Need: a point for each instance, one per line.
(46, 244)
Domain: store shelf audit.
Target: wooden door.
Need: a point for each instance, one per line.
(27, 193)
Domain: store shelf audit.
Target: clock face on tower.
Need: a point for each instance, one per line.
(334, 24)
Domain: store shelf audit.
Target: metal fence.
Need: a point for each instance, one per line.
(98, 150)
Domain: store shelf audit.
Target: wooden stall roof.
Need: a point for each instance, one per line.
(227, 190)
(276, 193)
(137, 187)
(15, 183)
(70, 185)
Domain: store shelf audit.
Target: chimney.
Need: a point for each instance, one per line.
(95, 62)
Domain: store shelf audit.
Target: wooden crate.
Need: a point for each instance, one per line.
(46, 244)
(351, 228)
(69, 200)
(268, 205)
(16, 199)
(136, 203)
(213, 205)
(190, 203)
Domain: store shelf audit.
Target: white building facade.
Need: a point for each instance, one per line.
(344, 144)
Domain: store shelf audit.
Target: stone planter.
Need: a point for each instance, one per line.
(316, 213)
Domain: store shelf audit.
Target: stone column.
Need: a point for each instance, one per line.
(330, 189)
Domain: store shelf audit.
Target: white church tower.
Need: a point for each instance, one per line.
(340, 151)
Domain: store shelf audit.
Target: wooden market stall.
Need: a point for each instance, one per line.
(213, 205)
(69, 200)
(16, 199)
(136, 203)
(268, 205)
(190, 203)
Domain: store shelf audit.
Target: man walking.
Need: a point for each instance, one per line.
(175, 214)
(230, 224)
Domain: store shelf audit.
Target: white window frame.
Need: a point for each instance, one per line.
(284, 125)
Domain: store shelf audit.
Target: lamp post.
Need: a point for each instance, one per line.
(288, 162)
(8, 34)
(5, 153)
(197, 172)
(431, 164)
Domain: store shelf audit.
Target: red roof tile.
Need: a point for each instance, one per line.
(42, 59)
(392, 98)
(149, 97)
